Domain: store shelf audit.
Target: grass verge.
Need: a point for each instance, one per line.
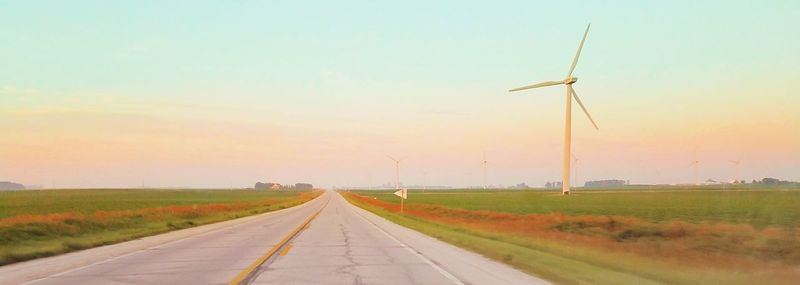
(574, 259)
(27, 236)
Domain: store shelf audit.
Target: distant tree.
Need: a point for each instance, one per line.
(754, 181)
(303, 186)
(606, 183)
(548, 185)
(6, 185)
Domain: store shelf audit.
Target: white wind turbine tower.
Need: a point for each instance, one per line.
(397, 170)
(568, 81)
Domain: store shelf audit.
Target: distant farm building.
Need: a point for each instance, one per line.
(278, 186)
(267, 186)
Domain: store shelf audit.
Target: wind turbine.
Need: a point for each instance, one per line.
(737, 162)
(568, 81)
(695, 163)
(397, 170)
(425, 178)
(575, 167)
(485, 164)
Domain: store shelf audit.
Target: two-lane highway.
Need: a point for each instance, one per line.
(341, 247)
(325, 241)
(347, 245)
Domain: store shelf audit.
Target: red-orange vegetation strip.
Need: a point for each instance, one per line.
(67, 220)
(718, 244)
(24, 237)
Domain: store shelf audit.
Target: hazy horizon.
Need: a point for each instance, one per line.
(205, 94)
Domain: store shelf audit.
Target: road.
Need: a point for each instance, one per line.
(341, 244)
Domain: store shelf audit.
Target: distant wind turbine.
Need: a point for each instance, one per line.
(426, 181)
(695, 164)
(485, 164)
(575, 167)
(737, 162)
(397, 170)
(568, 81)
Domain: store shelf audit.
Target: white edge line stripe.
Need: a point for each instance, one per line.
(272, 213)
(423, 258)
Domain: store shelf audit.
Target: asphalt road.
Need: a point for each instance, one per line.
(343, 244)
(210, 257)
(348, 245)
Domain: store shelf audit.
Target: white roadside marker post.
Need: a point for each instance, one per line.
(403, 194)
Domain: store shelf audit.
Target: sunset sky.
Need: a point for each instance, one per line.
(214, 94)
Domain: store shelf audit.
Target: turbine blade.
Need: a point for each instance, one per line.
(575, 95)
(537, 85)
(578, 53)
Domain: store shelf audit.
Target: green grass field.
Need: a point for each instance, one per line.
(88, 201)
(47, 222)
(615, 236)
(765, 207)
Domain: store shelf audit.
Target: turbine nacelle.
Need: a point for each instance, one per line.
(570, 80)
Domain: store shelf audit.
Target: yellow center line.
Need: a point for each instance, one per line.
(253, 266)
(285, 250)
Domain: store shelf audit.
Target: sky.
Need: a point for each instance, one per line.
(224, 94)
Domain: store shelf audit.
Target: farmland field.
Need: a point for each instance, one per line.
(47, 222)
(615, 236)
(757, 207)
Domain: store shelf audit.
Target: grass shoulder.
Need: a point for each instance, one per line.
(39, 233)
(572, 250)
